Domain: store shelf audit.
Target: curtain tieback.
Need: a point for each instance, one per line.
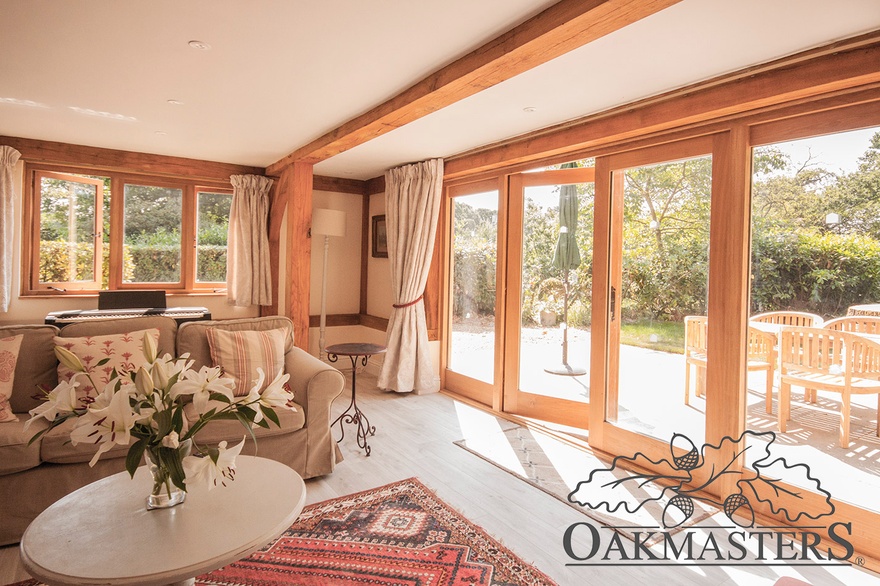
(413, 302)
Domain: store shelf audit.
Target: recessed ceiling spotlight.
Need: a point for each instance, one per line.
(174, 102)
(530, 109)
(160, 132)
(100, 114)
(200, 45)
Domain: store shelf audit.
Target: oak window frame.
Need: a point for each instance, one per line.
(30, 240)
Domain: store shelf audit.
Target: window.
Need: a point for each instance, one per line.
(115, 231)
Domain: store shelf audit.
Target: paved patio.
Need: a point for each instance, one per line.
(652, 403)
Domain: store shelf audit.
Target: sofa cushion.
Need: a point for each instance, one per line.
(241, 353)
(39, 370)
(232, 431)
(9, 347)
(167, 329)
(15, 453)
(124, 353)
(57, 448)
(192, 336)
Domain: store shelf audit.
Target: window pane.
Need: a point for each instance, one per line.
(474, 245)
(67, 230)
(556, 291)
(151, 251)
(816, 269)
(662, 304)
(213, 226)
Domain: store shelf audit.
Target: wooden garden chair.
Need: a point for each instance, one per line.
(762, 356)
(862, 324)
(696, 329)
(830, 360)
(789, 318)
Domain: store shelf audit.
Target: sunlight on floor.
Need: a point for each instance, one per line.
(483, 432)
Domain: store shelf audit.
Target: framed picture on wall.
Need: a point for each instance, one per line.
(380, 237)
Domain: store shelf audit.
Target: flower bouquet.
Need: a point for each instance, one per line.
(147, 404)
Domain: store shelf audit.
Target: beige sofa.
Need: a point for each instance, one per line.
(33, 477)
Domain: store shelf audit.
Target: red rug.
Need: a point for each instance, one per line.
(399, 534)
(395, 535)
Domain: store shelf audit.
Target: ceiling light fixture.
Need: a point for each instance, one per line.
(20, 102)
(200, 45)
(174, 102)
(530, 109)
(160, 132)
(100, 114)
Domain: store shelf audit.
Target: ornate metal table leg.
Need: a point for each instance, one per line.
(352, 413)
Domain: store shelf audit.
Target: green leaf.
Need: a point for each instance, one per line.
(220, 397)
(271, 415)
(247, 425)
(135, 455)
(177, 419)
(103, 361)
(163, 419)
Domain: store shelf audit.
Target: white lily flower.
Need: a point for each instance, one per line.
(150, 347)
(172, 440)
(252, 399)
(275, 395)
(107, 427)
(60, 401)
(69, 359)
(144, 383)
(206, 470)
(200, 385)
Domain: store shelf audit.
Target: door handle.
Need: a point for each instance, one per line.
(613, 302)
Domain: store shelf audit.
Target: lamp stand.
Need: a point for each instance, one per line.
(324, 298)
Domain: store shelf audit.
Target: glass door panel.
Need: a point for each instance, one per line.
(472, 349)
(815, 237)
(662, 299)
(549, 280)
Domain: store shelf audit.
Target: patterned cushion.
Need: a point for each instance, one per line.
(125, 352)
(240, 353)
(8, 357)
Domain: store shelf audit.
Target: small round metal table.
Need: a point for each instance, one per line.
(356, 352)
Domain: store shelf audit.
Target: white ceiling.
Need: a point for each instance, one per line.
(281, 73)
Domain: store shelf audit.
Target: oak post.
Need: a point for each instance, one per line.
(299, 250)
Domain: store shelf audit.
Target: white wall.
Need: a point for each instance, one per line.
(343, 257)
(379, 295)
(34, 309)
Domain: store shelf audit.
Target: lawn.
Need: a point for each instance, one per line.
(665, 336)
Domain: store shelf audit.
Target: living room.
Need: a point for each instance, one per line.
(152, 117)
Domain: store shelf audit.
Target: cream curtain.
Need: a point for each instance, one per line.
(8, 158)
(412, 207)
(248, 271)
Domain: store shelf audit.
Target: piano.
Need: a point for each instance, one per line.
(180, 314)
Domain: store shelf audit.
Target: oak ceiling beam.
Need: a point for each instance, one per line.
(561, 28)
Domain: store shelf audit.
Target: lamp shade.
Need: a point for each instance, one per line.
(328, 222)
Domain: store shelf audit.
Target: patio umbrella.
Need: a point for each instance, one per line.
(566, 258)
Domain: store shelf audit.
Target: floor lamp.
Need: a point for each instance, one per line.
(329, 223)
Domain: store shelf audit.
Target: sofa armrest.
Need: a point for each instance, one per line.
(314, 385)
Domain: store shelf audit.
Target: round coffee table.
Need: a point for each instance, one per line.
(104, 534)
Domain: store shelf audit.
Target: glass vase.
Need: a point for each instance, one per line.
(164, 493)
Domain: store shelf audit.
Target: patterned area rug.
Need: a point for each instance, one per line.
(395, 535)
(556, 467)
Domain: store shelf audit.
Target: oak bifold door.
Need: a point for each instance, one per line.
(518, 316)
(650, 277)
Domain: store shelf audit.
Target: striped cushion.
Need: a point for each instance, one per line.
(240, 353)
(9, 347)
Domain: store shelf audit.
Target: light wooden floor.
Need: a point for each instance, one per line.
(415, 436)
